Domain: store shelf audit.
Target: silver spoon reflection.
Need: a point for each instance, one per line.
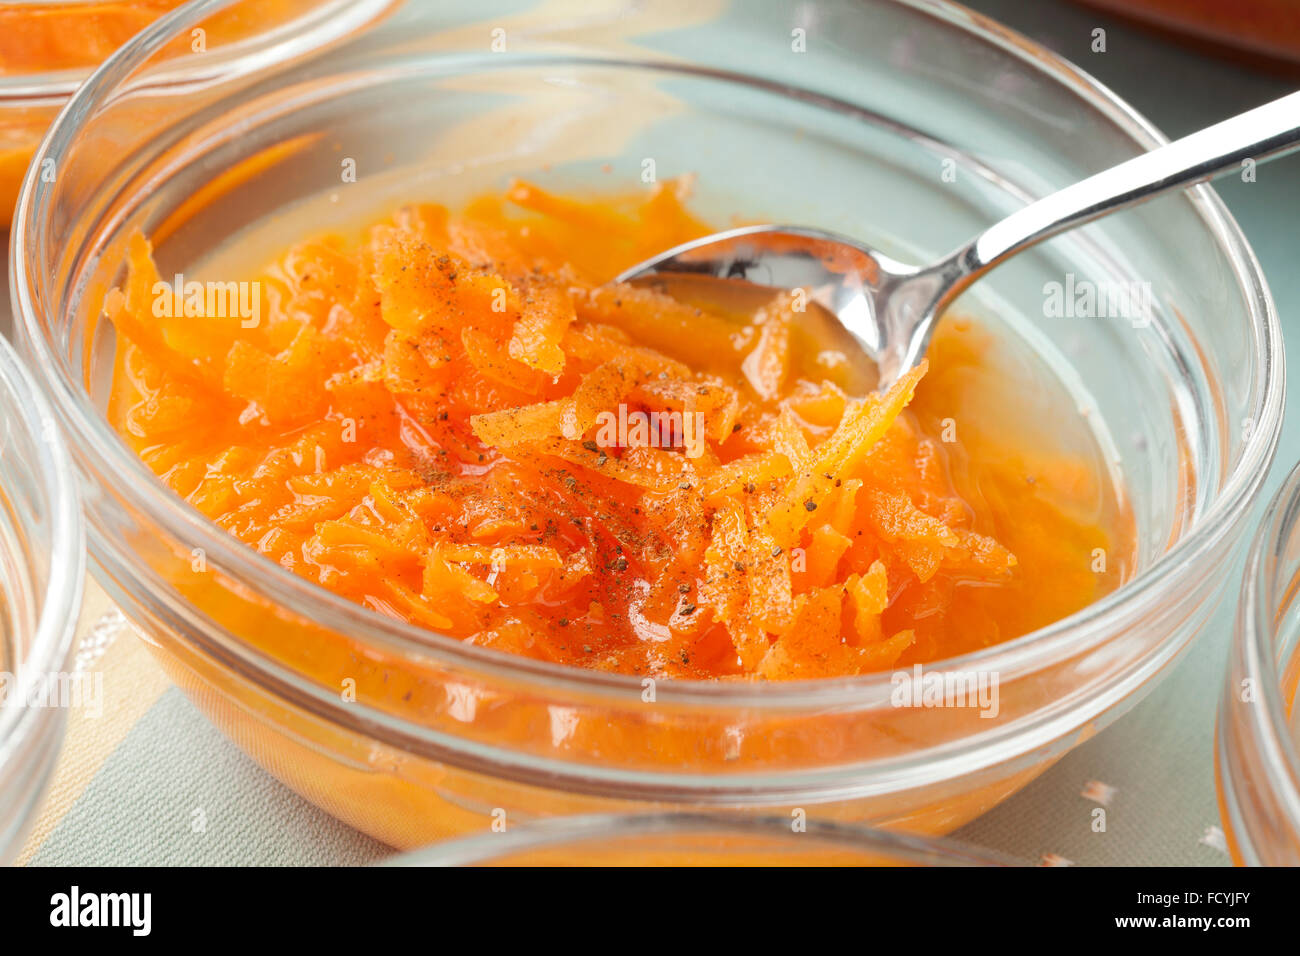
(890, 308)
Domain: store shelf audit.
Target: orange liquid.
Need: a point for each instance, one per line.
(454, 421)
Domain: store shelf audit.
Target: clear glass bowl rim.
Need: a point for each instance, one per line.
(1254, 652)
(1071, 635)
(60, 602)
(581, 831)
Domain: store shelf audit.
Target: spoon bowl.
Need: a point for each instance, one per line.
(855, 284)
(890, 308)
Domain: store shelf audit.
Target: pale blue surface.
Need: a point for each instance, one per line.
(176, 792)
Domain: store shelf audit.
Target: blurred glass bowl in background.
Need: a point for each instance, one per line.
(695, 839)
(42, 566)
(1257, 746)
(47, 47)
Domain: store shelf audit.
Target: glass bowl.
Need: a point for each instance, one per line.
(1257, 744)
(47, 47)
(695, 839)
(911, 124)
(42, 566)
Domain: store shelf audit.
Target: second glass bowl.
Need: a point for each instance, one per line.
(695, 839)
(1257, 746)
(42, 566)
(47, 47)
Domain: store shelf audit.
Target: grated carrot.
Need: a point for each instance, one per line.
(456, 422)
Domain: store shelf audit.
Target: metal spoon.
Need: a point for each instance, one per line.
(891, 307)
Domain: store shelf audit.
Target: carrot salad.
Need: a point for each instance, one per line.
(458, 421)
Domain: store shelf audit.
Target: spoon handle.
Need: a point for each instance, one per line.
(1268, 130)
